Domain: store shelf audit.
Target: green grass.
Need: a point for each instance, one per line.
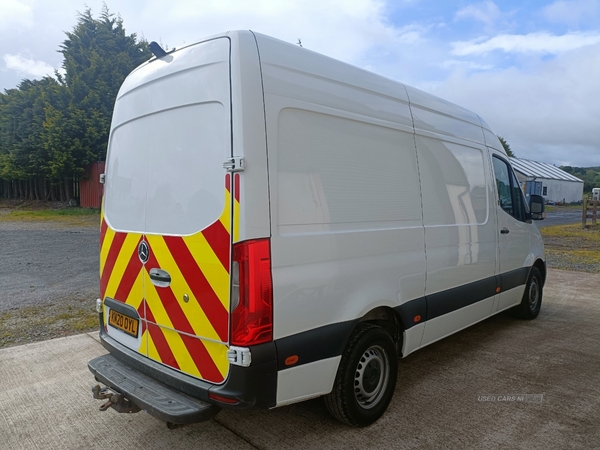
(572, 247)
(42, 213)
(589, 235)
(555, 208)
(46, 322)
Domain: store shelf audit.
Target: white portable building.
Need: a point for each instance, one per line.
(558, 186)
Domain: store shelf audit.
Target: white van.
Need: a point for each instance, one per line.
(278, 225)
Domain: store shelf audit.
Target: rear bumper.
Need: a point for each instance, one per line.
(150, 395)
(253, 387)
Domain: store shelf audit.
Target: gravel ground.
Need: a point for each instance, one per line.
(577, 251)
(566, 261)
(48, 280)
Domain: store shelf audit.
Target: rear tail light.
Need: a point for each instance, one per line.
(252, 293)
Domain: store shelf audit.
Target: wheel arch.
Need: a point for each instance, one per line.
(388, 319)
(541, 266)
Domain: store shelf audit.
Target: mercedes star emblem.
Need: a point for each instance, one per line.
(143, 252)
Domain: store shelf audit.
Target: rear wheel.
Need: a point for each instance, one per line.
(366, 378)
(530, 305)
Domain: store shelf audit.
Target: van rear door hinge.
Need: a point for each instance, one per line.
(234, 164)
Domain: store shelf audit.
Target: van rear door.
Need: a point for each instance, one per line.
(168, 195)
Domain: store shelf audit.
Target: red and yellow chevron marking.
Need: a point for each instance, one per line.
(191, 335)
(120, 267)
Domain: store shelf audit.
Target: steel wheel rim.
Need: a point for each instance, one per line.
(371, 377)
(534, 294)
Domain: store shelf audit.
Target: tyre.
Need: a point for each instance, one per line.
(530, 305)
(366, 378)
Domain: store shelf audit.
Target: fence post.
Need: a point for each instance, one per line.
(584, 212)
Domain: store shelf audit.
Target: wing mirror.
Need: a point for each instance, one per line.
(536, 206)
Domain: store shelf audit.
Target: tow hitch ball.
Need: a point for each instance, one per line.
(115, 400)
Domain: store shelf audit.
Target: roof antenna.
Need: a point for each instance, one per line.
(156, 49)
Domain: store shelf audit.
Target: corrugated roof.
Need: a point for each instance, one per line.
(541, 170)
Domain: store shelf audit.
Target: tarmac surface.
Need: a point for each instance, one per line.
(462, 392)
(42, 263)
(560, 218)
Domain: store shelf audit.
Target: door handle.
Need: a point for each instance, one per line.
(504, 231)
(160, 277)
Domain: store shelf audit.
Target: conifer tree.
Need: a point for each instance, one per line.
(507, 149)
(51, 128)
(98, 55)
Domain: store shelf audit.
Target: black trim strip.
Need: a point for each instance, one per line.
(314, 345)
(410, 310)
(514, 278)
(456, 298)
(330, 340)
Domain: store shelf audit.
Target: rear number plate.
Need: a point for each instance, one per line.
(124, 323)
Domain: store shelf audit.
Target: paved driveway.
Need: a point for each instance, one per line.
(46, 402)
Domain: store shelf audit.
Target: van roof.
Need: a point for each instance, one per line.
(305, 60)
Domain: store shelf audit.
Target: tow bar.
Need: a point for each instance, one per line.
(115, 401)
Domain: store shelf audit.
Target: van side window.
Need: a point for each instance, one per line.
(510, 196)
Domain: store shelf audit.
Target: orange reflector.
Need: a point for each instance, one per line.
(498, 289)
(290, 360)
(417, 319)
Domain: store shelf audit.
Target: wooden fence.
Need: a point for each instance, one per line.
(590, 210)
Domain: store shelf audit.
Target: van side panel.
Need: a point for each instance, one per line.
(346, 219)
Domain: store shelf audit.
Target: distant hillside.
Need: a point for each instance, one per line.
(589, 175)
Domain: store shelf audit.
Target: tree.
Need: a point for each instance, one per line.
(23, 157)
(506, 147)
(98, 56)
(589, 175)
(50, 129)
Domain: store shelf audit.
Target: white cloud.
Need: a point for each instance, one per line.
(466, 65)
(15, 13)
(547, 113)
(541, 43)
(486, 12)
(35, 69)
(338, 28)
(572, 12)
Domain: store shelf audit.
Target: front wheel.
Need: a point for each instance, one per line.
(366, 378)
(530, 305)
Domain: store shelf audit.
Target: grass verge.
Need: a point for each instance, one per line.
(40, 323)
(45, 212)
(571, 247)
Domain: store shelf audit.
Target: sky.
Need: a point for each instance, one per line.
(531, 68)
